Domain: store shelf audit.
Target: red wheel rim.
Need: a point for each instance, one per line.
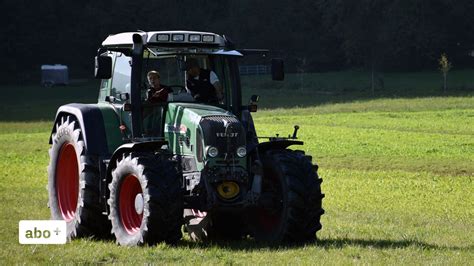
(129, 189)
(67, 181)
(269, 220)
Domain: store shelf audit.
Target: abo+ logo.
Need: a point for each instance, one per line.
(42, 232)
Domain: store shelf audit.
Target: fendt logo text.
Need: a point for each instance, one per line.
(230, 135)
(42, 232)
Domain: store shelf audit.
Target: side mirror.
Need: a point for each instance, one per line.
(254, 98)
(124, 96)
(103, 67)
(278, 72)
(253, 103)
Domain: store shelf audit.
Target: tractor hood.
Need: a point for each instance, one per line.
(204, 126)
(197, 111)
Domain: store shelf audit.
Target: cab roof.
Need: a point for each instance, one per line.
(167, 38)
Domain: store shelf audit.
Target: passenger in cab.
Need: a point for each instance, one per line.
(157, 92)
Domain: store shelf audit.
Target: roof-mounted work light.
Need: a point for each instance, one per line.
(194, 37)
(163, 37)
(178, 38)
(208, 38)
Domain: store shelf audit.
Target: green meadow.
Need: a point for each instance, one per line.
(397, 164)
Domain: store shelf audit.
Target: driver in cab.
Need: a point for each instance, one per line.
(203, 84)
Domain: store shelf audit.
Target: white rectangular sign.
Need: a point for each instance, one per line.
(42, 232)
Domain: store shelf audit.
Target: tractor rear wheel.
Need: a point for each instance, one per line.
(73, 183)
(291, 199)
(146, 201)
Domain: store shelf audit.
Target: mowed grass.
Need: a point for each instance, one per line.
(398, 178)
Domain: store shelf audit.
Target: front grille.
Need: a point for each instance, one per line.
(220, 119)
(215, 134)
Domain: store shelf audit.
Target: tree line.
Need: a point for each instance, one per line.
(311, 35)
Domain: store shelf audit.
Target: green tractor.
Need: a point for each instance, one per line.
(140, 170)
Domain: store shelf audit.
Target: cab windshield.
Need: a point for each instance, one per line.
(187, 77)
(183, 77)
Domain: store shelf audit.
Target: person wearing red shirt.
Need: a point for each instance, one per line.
(157, 91)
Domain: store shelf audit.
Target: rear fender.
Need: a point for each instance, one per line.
(91, 123)
(99, 126)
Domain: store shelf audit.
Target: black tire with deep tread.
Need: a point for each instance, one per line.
(300, 209)
(163, 211)
(88, 219)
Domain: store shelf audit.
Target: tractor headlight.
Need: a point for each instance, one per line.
(212, 151)
(241, 151)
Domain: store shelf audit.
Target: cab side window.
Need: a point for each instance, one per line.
(121, 76)
(104, 89)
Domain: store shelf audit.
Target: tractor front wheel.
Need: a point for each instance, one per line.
(291, 199)
(146, 202)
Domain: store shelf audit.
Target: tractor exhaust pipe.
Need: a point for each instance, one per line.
(135, 95)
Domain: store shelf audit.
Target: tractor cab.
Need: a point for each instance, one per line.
(169, 54)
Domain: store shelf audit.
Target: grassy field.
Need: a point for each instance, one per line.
(310, 89)
(398, 177)
(33, 103)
